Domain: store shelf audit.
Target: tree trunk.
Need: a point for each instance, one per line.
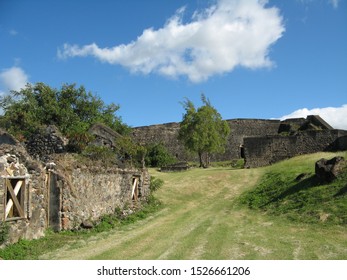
(200, 159)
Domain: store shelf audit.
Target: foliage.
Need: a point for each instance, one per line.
(157, 156)
(100, 153)
(203, 131)
(300, 199)
(73, 110)
(130, 152)
(4, 230)
(156, 183)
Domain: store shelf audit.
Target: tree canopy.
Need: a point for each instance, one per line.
(203, 131)
(73, 110)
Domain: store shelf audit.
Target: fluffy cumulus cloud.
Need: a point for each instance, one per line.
(228, 34)
(13, 78)
(335, 116)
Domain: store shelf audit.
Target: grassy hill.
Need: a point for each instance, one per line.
(291, 189)
(224, 213)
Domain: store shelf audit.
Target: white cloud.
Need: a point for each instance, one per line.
(13, 78)
(335, 116)
(335, 3)
(228, 34)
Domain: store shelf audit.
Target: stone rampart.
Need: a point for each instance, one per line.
(241, 128)
(167, 134)
(262, 151)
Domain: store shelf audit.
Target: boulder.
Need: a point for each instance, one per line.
(87, 224)
(328, 170)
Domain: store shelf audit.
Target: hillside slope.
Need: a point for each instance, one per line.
(202, 219)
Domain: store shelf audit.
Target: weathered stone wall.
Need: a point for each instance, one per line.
(14, 156)
(167, 134)
(84, 194)
(262, 151)
(103, 135)
(241, 128)
(62, 195)
(45, 143)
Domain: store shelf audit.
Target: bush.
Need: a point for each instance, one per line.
(156, 183)
(104, 154)
(158, 156)
(73, 110)
(4, 231)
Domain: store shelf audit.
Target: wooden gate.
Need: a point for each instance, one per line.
(14, 198)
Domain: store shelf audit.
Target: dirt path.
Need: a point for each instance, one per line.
(201, 221)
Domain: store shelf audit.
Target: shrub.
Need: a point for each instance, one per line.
(156, 183)
(4, 231)
(103, 154)
(158, 156)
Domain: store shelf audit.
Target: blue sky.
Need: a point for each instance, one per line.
(252, 59)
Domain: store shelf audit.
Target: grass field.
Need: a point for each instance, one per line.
(203, 218)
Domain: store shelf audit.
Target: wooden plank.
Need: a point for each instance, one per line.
(48, 177)
(14, 199)
(134, 187)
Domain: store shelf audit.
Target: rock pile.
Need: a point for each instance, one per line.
(46, 143)
(10, 166)
(328, 170)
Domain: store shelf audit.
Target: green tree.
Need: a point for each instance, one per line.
(73, 110)
(157, 156)
(203, 131)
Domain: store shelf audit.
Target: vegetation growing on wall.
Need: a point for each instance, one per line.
(4, 228)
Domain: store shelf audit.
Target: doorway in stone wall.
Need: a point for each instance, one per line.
(54, 205)
(135, 189)
(242, 151)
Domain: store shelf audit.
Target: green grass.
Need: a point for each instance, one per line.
(33, 249)
(201, 217)
(280, 192)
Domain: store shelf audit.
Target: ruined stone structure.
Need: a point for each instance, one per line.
(260, 142)
(47, 142)
(103, 135)
(66, 194)
(266, 150)
(83, 194)
(22, 192)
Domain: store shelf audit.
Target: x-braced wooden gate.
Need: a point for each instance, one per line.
(14, 198)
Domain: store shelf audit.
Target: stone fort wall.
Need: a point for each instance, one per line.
(167, 134)
(266, 150)
(261, 142)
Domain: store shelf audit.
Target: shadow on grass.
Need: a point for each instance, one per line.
(304, 184)
(342, 191)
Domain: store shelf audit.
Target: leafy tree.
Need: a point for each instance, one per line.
(130, 152)
(203, 131)
(73, 110)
